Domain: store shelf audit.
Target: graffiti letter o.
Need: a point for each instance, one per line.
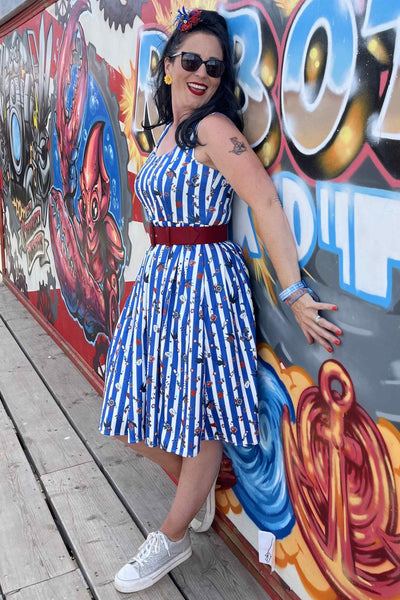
(310, 124)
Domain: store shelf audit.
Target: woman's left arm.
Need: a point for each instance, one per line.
(228, 150)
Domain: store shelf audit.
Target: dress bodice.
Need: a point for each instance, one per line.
(176, 189)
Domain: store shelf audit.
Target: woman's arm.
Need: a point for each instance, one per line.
(227, 150)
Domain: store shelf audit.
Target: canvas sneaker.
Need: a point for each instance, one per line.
(204, 518)
(156, 557)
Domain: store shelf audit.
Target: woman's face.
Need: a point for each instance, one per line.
(189, 90)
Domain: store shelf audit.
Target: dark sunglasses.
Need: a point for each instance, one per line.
(192, 62)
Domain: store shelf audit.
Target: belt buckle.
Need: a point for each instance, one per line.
(152, 234)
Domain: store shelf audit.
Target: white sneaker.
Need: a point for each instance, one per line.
(204, 518)
(156, 557)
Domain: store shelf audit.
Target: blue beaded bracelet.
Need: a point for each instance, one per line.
(291, 289)
(297, 294)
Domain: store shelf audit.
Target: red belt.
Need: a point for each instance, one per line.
(188, 235)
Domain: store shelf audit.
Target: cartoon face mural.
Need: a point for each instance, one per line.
(318, 83)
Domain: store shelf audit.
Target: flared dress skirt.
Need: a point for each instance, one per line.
(182, 362)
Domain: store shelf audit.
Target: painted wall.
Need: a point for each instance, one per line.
(10, 8)
(320, 90)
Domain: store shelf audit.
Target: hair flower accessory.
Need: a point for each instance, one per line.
(184, 20)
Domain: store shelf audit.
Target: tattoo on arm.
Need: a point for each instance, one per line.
(238, 146)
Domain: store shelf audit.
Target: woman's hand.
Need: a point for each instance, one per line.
(315, 327)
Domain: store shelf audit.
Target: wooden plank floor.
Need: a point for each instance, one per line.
(75, 505)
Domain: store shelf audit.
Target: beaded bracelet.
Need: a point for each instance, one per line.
(291, 289)
(297, 294)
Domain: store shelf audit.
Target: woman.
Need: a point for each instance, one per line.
(181, 370)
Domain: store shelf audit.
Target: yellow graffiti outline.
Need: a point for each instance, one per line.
(20, 210)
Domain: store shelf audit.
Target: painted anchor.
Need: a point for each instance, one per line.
(342, 487)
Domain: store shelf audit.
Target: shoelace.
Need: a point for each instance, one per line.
(152, 545)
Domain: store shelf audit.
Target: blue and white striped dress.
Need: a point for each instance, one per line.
(182, 363)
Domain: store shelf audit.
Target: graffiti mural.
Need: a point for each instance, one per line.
(86, 242)
(64, 163)
(120, 14)
(319, 86)
(24, 138)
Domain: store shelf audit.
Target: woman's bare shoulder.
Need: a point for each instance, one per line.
(214, 125)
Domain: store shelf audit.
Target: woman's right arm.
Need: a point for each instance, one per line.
(230, 153)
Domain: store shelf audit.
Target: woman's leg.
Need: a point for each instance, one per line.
(172, 463)
(197, 476)
(162, 552)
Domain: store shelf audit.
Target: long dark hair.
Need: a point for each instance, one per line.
(223, 101)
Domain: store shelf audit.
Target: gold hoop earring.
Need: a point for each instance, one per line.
(168, 79)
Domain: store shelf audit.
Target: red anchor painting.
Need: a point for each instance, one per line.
(343, 489)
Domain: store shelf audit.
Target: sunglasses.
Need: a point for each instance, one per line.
(192, 62)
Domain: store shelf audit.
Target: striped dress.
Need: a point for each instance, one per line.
(182, 363)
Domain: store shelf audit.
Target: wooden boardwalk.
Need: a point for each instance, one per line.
(75, 505)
